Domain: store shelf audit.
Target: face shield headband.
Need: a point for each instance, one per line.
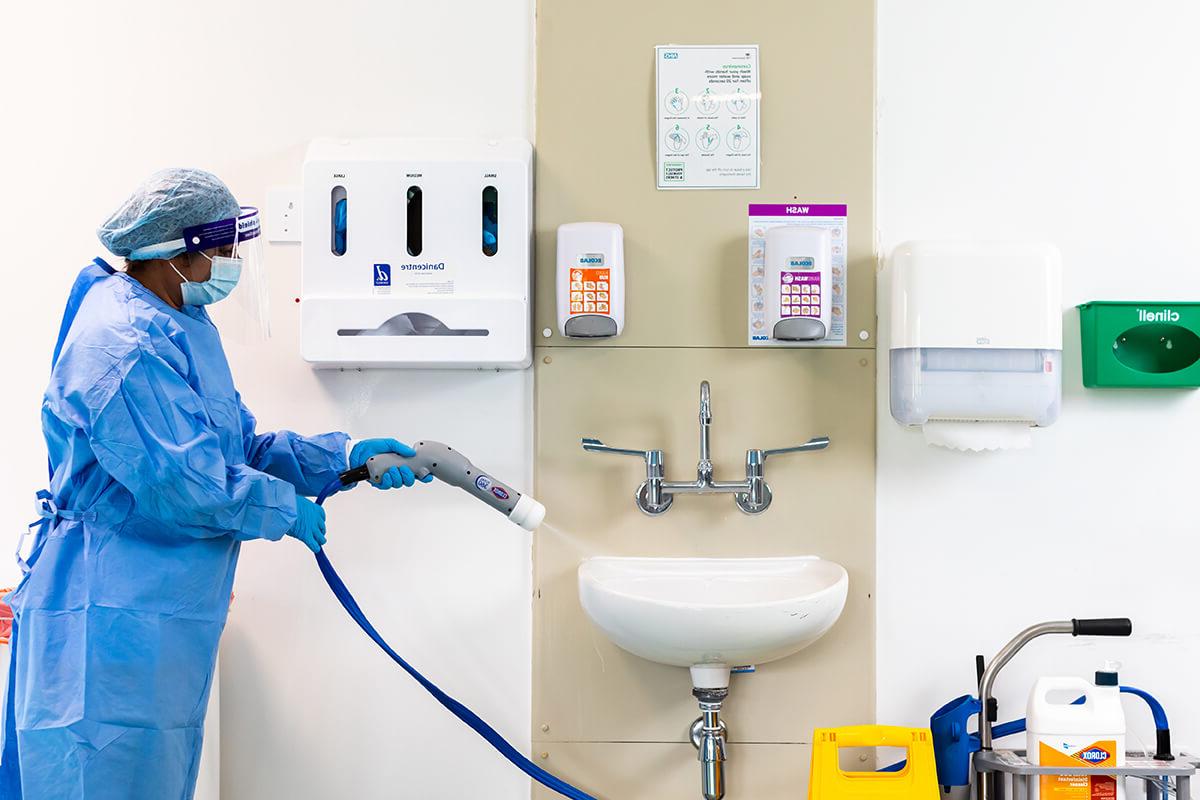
(231, 232)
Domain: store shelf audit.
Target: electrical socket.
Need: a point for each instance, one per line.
(283, 214)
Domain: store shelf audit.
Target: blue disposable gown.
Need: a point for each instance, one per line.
(159, 476)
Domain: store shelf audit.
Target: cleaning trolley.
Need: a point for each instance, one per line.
(1094, 770)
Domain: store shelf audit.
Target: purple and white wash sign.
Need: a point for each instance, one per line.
(786, 210)
(797, 286)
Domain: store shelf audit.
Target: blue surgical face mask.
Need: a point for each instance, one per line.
(225, 274)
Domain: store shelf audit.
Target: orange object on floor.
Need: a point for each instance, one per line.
(916, 781)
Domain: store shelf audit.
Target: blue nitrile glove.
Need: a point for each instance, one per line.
(310, 524)
(395, 477)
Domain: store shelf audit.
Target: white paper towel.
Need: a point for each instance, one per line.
(977, 436)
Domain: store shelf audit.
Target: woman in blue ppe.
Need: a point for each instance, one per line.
(157, 475)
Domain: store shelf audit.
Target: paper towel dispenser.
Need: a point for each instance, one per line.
(976, 333)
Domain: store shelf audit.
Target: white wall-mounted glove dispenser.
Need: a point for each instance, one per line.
(590, 280)
(417, 253)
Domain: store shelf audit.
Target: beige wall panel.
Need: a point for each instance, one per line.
(586, 689)
(670, 771)
(686, 250)
(610, 721)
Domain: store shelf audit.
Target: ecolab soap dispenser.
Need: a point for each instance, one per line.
(799, 290)
(590, 280)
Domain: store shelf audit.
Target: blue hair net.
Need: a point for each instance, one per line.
(158, 211)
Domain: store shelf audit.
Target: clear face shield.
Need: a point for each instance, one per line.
(245, 316)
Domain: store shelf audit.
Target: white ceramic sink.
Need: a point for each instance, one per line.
(712, 611)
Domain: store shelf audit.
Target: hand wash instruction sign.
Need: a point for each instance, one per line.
(707, 98)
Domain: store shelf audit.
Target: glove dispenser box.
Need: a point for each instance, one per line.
(417, 253)
(976, 333)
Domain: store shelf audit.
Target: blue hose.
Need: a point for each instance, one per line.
(1162, 731)
(1156, 709)
(453, 706)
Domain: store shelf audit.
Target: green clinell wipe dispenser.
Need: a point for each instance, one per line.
(1140, 345)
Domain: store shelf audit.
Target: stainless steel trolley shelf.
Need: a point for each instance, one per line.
(1014, 763)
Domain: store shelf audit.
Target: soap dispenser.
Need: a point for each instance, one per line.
(590, 280)
(799, 289)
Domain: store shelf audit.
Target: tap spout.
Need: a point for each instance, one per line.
(704, 469)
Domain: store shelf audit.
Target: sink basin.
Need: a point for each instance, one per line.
(724, 612)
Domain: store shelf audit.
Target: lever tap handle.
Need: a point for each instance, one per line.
(597, 446)
(816, 443)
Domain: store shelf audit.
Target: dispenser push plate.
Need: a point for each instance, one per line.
(799, 291)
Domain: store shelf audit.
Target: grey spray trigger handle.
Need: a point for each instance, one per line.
(452, 467)
(378, 465)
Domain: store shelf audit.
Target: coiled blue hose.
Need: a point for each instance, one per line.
(453, 706)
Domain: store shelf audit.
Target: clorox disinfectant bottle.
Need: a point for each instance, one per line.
(1065, 734)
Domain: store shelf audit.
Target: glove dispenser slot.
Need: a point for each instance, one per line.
(491, 221)
(413, 220)
(338, 209)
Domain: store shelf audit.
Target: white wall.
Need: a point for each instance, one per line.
(1075, 123)
(96, 96)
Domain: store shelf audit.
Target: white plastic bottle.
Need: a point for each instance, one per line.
(1091, 734)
